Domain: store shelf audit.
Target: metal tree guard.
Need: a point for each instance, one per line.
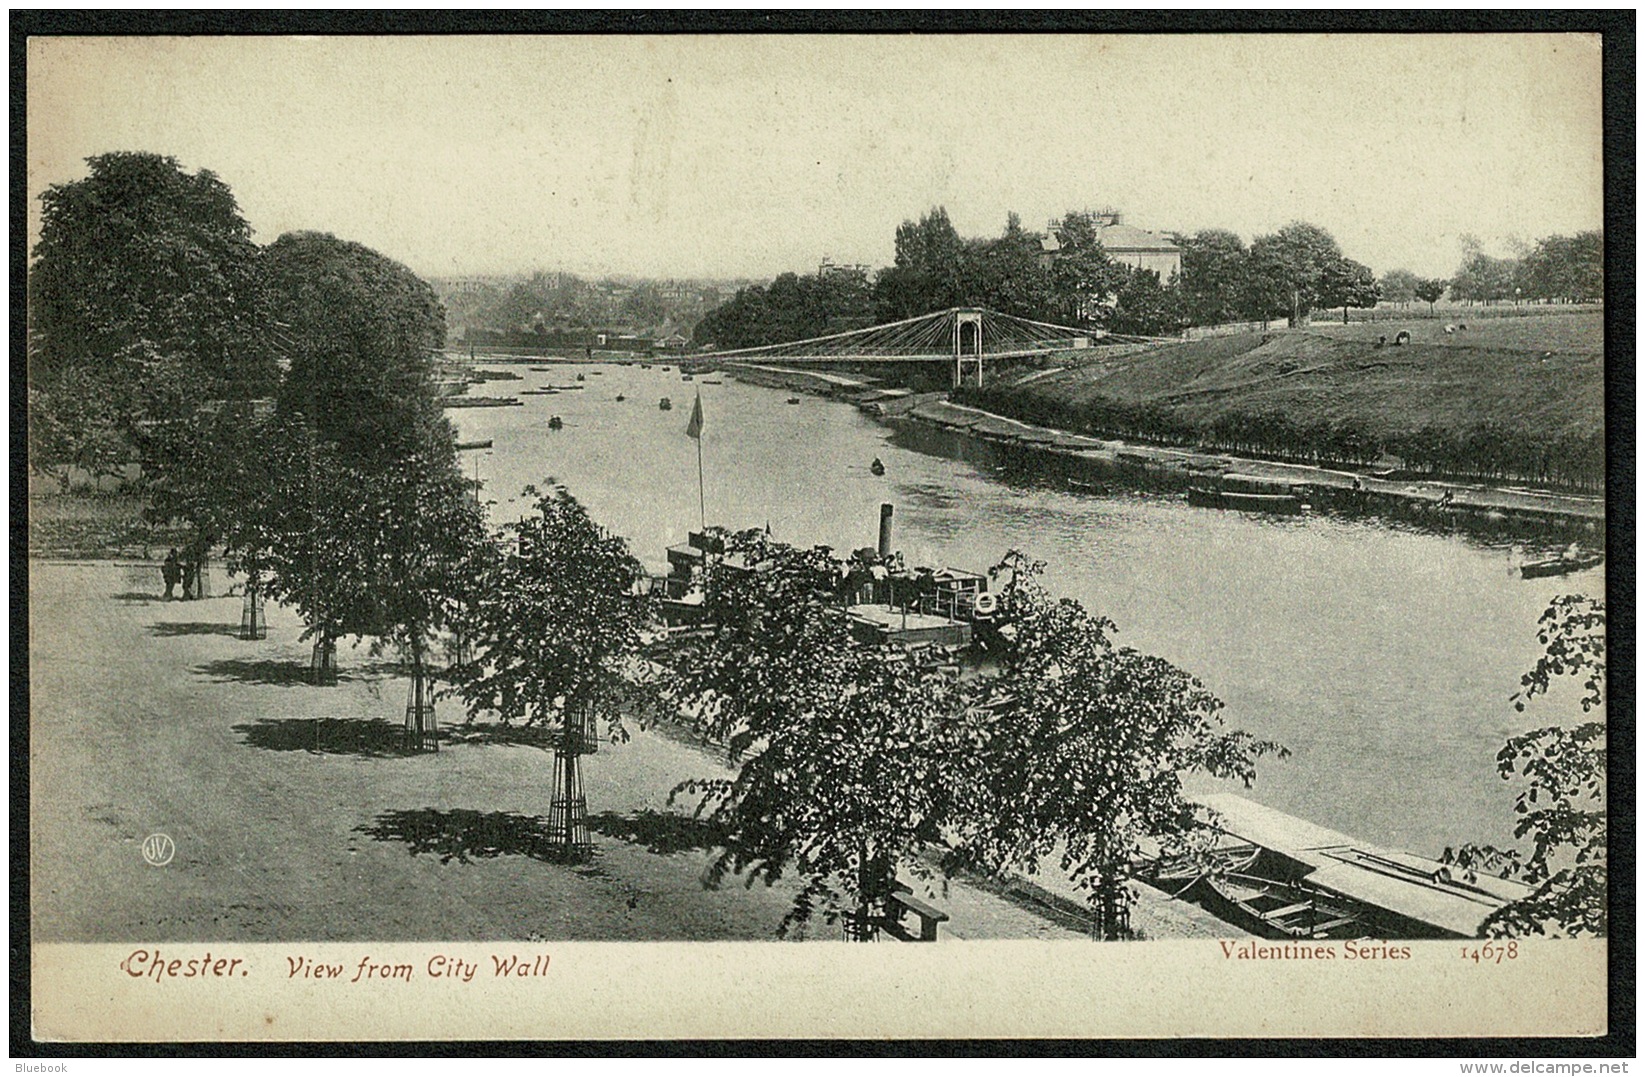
(253, 625)
(568, 832)
(322, 662)
(422, 731)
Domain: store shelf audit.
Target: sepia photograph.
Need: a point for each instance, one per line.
(1118, 510)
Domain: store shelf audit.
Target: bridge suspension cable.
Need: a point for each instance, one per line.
(936, 336)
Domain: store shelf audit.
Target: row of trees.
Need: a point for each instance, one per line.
(1486, 450)
(325, 467)
(1555, 268)
(327, 472)
(550, 304)
(791, 307)
(281, 401)
(1289, 274)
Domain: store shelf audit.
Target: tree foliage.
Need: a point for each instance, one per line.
(792, 307)
(841, 746)
(1561, 801)
(1346, 283)
(1077, 749)
(1293, 271)
(853, 760)
(145, 298)
(1214, 270)
(1429, 290)
(361, 333)
(553, 622)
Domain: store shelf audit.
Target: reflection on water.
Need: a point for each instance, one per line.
(1382, 657)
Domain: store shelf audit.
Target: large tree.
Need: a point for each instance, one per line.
(371, 513)
(842, 747)
(1214, 266)
(1346, 283)
(361, 333)
(1399, 286)
(1430, 289)
(1291, 271)
(926, 274)
(553, 621)
(145, 292)
(1084, 279)
(1077, 750)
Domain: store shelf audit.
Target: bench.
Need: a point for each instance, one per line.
(901, 902)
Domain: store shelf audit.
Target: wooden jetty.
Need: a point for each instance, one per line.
(1395, 894)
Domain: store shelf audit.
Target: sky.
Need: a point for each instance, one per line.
(730, 157)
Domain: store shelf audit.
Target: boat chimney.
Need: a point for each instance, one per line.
(885, 530)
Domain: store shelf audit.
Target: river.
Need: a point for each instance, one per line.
(1382, 658)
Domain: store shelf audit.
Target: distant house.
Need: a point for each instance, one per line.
(1127, 244)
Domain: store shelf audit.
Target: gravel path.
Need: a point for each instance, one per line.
(295, 815)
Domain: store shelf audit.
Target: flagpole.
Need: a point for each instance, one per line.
(702, 512)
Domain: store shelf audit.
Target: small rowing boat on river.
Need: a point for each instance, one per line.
(1247, 493)
(1560, 566)
(1284, 504)
(1311, 882)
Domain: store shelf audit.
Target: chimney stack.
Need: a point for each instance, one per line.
(885, 530)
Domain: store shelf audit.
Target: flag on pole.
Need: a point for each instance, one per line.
(694, 428)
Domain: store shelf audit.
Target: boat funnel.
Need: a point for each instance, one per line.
(885, 530)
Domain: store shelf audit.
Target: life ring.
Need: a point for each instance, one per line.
(984, 605)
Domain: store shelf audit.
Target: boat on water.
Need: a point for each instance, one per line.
(1282, 909)
(1247, 493)
(1285, 504)
(1306, 881)
(555, 422)
(1560, 566)
(665, 404)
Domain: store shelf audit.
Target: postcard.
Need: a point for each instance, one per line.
(816, 536)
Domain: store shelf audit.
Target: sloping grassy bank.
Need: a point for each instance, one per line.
(1473, 404)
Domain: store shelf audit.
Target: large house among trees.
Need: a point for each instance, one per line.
(1126, 244)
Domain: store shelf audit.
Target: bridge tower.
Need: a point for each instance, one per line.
(967, 343)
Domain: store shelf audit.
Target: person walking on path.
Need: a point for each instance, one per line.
(171, 571)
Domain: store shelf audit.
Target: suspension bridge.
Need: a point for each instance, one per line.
(962, 336)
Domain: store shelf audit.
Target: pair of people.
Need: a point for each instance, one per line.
(184, 569)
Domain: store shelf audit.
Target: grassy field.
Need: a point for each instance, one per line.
(1577, 333)
(89, 524)
(1542, 377)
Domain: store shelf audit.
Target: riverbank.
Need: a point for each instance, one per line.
(297, 816)
(1560, 517)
